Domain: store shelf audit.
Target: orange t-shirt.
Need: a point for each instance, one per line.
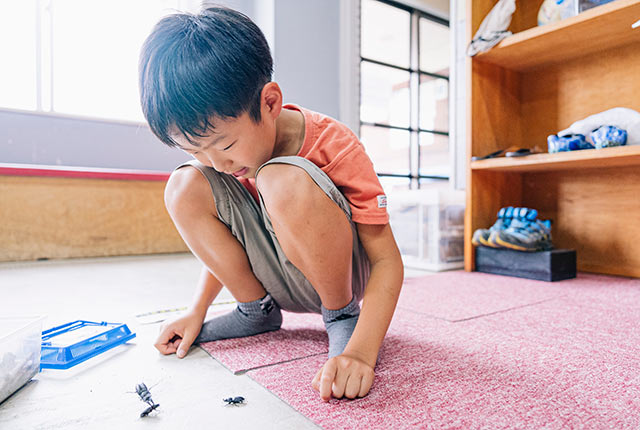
(334, 148)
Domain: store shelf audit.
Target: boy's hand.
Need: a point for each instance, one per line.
(343, 375)
(179, 334)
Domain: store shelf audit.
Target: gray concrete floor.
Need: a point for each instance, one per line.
(99, 393)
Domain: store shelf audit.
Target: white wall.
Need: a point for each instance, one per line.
(458, 92)
(307, 52)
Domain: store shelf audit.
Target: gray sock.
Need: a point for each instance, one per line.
(340, 324)
(247, 319)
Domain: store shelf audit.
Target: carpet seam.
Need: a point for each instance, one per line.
(509, 309)
(243, 371)
(481, 315)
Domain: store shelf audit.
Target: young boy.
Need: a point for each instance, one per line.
(281, 205)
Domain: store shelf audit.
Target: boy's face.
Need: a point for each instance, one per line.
(238, 146)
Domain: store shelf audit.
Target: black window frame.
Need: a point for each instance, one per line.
(415, 179)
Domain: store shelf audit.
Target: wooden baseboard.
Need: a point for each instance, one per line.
(63, 217)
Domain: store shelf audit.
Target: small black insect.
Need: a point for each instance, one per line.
(145, 396)
(234, 400)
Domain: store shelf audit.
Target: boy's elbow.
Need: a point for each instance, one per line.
(391, 264)
(399, 265)
(400, 269)
(395, 259)
(396, 266)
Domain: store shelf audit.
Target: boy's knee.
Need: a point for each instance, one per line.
(188, 190)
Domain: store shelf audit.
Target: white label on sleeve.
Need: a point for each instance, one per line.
(382, 201)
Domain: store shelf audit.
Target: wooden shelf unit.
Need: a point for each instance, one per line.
(596, 29)
(621, 156)
(536, 83)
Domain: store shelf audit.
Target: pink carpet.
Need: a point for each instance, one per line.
(301, 335)
(570, 359)
(451, 296)
(458, 296)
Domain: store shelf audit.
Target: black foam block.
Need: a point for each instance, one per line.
(554, 265)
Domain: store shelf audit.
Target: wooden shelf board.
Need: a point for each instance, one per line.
(588, 158)
(600, 28)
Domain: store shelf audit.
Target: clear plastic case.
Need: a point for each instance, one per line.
(429, 227)
(20, 340)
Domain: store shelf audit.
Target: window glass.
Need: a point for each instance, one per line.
(434, 155)
(434, 103)
(392, 183)
(434, 47)
(387, 94)
(95, 55)
(387, 148)
(18, 54)
(385, 33)
(384, 95)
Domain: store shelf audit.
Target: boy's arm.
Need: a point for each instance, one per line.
(178, 335)
(208, 289)
(380, 298)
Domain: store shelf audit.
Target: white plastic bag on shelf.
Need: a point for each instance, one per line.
(556, 10)
(493, 28)
(624, 118)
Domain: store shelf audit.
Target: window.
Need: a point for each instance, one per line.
(404, 93)
(77, 57)
(18, 53)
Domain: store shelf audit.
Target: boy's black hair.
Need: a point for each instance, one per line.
(194, 67)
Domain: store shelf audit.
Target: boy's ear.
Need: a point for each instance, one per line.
(271, 100)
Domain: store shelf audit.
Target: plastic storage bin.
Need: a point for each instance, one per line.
(428, 225)
(20, 340)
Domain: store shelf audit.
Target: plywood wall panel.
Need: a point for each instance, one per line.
(595, 211)
(487, 192)
(496, 120)
(555, 97)
(70, 217)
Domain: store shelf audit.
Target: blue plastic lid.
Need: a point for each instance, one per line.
(72, 343)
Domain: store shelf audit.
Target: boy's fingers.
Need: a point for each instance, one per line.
(175, 343)
(166, 333)
(329, 371)
(165, 348)
(185, 343)
(365, 385)
(316, 380)
(340, 383)
(169, 349)
(166, 341)
(162, 342)
(353, 386)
